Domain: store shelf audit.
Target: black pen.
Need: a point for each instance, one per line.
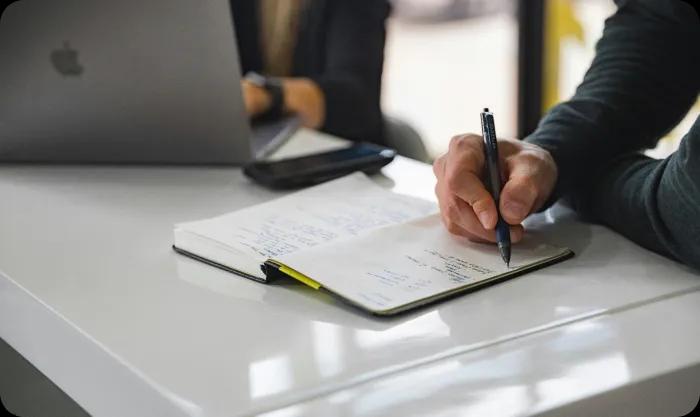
(494, 181)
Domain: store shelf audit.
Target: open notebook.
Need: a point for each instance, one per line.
(380, 251)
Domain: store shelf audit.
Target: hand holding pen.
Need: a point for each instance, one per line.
(468, 209)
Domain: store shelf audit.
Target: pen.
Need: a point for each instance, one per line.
(494, 182)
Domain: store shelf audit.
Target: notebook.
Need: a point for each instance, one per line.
(377, 250)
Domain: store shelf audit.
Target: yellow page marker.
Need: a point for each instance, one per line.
(300, 277)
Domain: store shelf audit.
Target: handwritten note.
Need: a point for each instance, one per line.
(338, 209)
(398, 265)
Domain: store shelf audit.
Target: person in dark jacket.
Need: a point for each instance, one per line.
(326, 55)
(643, 80)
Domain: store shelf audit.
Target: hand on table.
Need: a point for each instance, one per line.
(467, 207)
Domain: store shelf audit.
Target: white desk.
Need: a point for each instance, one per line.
(93, 296)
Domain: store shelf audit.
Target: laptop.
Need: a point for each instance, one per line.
(128, 81)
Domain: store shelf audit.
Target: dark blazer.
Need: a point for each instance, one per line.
(341, 47)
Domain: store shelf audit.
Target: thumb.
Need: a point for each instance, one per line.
(518, 199)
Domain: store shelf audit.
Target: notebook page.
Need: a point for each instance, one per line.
(337, 209)
(398, 265)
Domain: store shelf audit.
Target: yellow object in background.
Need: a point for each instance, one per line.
(560, 23)
(571, 19)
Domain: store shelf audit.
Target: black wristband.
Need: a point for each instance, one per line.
(276, 109)
(274, 88)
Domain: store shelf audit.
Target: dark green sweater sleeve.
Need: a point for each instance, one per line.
(643, 80)
(655, 203)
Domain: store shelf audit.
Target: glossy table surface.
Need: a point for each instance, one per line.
(92, 294)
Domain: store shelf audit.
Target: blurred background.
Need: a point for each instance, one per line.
(448, 59)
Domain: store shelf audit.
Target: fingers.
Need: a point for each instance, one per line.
(460, 219)
(462, 170)
(472, 191)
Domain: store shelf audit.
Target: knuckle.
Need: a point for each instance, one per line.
(436, 166)
(453, 181)
(525, 187)
(442, 194)
(472, 157)
(457, 140)
(481, 205)
(538, 158)
(452, 227)
(531, 158)
(464, 141)
(478, 196)
(452, 211)
(508, 146)
(454, 142)
(449, 223)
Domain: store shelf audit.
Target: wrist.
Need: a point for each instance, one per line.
(272, 99)
(261, 100)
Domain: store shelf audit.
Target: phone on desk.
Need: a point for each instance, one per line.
(317, 168)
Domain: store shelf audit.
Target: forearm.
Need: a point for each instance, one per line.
(304, 98)
(655, 203)
(641, 83)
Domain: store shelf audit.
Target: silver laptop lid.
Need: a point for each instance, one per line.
(121, 81)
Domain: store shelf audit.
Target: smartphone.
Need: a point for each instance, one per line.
(318, 168)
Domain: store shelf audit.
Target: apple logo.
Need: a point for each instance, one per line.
(65, 60)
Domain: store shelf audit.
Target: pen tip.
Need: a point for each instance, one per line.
(505, 254)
